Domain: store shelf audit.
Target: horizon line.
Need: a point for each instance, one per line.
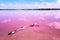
(34, 9)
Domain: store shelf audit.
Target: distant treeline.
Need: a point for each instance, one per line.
(34, 9)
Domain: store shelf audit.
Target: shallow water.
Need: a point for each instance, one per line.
(12, 20)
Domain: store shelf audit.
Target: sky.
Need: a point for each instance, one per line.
(31, 4)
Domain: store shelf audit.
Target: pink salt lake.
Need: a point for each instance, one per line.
(48, 22)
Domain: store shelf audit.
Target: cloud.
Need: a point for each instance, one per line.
(18, 5)
(58, 2)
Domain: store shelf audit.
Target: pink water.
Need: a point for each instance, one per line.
(11, 20)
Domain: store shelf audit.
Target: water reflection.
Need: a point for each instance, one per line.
(48, 23)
